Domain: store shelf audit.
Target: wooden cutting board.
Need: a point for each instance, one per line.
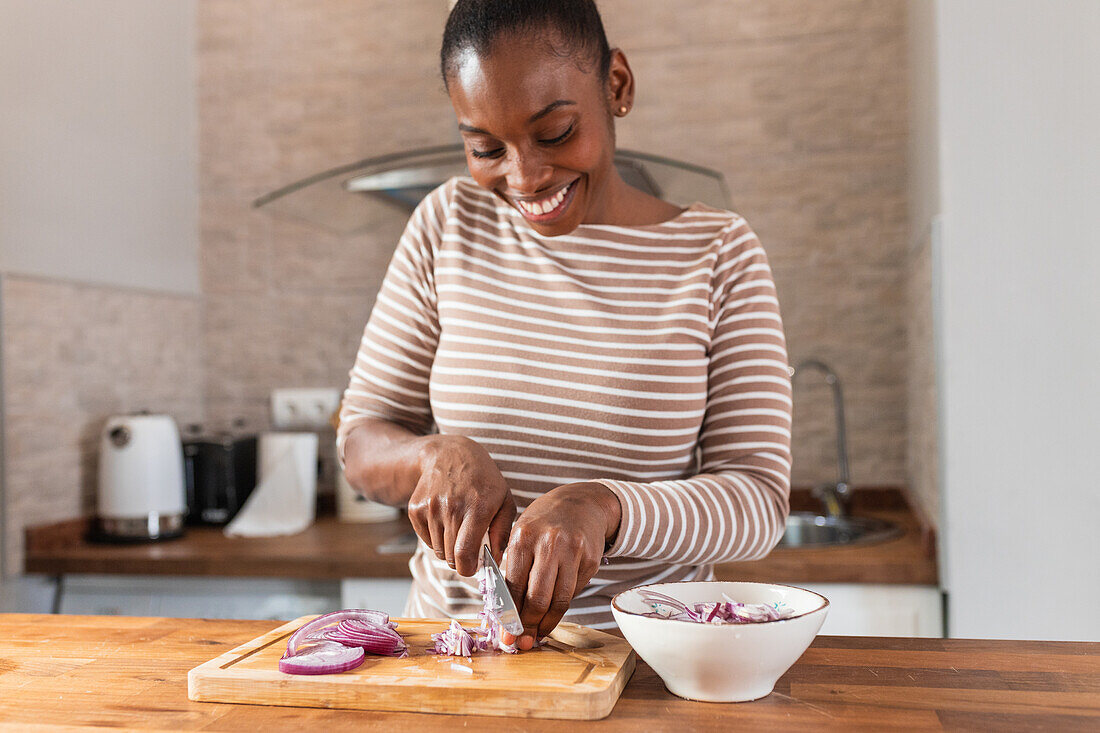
(577, 674)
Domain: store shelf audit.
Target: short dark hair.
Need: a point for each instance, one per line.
(477, 24)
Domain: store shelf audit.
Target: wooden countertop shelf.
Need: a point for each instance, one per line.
(333, 550)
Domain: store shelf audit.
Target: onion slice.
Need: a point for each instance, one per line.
(313, 629)
(322, 657)
(371, 638)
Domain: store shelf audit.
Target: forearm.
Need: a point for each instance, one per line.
(383, 460)
(709, 518)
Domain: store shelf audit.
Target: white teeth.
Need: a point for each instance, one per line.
(542, 207)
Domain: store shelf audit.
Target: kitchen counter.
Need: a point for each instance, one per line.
(330, 549)
(96, 672)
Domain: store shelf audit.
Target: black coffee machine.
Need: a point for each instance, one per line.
(219, 475)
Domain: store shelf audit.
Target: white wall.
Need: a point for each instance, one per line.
(925, 202)
(1019, 112)
(99, 141)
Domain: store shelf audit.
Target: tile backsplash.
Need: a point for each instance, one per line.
(801, 104)
(73, 354)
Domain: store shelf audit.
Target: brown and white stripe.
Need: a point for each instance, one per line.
(648, 358)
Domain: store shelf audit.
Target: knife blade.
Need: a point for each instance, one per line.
(501, 597)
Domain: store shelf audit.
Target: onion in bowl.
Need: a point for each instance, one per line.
(727, 611)
(719, 662)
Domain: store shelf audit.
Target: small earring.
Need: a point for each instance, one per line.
(622, 110)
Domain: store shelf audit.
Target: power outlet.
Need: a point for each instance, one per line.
(310, 408)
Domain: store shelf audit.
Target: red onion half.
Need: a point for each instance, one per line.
(313, 629)
(339, 641)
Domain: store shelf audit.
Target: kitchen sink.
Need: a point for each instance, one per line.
(805, 529)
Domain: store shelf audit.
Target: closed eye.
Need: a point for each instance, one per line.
(560, 138)
(496, 153)
(486, 153)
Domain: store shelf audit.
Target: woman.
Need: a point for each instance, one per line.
(607, 365)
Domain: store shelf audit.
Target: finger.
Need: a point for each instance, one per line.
(586, 570)
(435, 532)
(564, 587)
(420, 526)
(540, 594)
(449, 533)
(467, 547)
(517, 567)
(501, 527)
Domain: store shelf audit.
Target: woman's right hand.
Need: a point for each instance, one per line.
(460, 496)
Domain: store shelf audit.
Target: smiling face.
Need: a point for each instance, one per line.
(538, 131)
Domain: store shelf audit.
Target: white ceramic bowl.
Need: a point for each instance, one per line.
(721, 662)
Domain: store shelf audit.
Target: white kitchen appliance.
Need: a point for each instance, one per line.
(141, 488)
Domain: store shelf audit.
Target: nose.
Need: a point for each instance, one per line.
(528, 172)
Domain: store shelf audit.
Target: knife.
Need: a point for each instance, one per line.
(501, 598)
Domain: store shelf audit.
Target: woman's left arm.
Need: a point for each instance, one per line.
(734, 509)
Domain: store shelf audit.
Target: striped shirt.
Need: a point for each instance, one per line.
(650, 359)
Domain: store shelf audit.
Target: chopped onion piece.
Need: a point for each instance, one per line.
(728, 611)
(490, 615)
(457, 641)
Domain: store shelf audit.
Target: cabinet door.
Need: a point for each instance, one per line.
(248, 598)
(882, 610)
(380, 594)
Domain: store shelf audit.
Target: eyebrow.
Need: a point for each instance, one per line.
(533, 118)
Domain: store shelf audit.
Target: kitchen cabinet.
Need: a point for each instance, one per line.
(213, 597)
(858, 609)
(381, 594)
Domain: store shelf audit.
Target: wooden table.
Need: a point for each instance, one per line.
(334, 550)
(89, 673)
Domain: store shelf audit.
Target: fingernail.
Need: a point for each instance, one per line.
(526, 642)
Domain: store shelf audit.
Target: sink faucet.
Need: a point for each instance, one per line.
(833, 496)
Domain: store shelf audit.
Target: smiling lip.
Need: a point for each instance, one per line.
(548, 208)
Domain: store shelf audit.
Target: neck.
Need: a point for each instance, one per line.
(625, 205)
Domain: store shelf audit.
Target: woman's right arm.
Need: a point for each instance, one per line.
(454, 491)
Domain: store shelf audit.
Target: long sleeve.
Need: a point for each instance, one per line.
(735, 508)
(389, 379)
(615, 354)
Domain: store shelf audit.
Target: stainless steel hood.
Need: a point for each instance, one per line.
(354, 198)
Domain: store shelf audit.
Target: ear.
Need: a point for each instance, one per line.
(620, 84)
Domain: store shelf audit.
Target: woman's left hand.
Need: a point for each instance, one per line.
(554, 550)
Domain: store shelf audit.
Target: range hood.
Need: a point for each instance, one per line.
(355, 198)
